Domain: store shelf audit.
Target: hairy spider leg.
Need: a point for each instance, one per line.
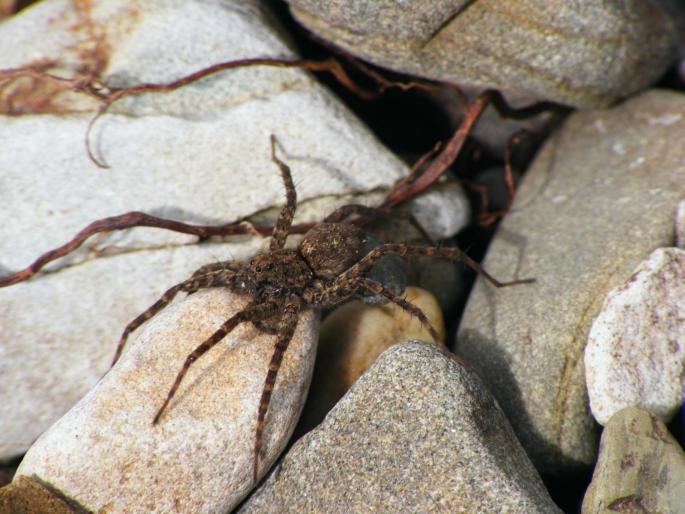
(401, 249)
(378, 288)
(216, 266)
(252, 312)
(285, 334)
(344, 212)
(217, 278)
(285, 219)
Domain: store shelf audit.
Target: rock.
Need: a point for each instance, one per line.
(584, 217)
(680, 225)
(641, 467)
(582, 55)
(106, 453)
(199, 154)
(417, 433)
(634, 354)
(353, 336)
(28, 495)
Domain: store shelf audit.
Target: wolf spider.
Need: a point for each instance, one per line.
(328, 267)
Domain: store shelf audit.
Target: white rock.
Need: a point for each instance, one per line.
(199, 154)
(634, 354)
(106, 453)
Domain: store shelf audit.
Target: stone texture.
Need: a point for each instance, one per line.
(417, 433)
(353, 336)
(634, 354)
(200, 154)
(598, 198)
(29, 496)
(641, 467)
(680, 225)
(580, 54)
(106, 453)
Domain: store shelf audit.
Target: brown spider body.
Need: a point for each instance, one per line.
(330, 266)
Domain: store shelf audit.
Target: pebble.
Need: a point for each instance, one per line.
(584, 217)
(199, 154)
(105, 452)
(418, 432)
(635, 352)
(641, 467)
(586, 54)
(353, 336)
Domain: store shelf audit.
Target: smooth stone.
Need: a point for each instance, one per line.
(418, 432)
(680, 225)
(351, 339)
(200, 155)
(584, 55)
(641, 467)
(106, 453)
(634, 354)
(584, 217)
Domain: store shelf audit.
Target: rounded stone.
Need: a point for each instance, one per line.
(106, 453)
(353, 336)
(635, 353)
(583, 54)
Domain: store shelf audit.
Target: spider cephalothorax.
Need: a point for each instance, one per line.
(331, 265)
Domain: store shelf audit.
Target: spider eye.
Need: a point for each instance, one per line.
(258, 269)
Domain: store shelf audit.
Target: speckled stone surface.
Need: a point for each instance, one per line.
(635, 353)
(417, 433)
(351, 339)
(599, 197)
(582, 54)
(641, 467)
(107, 454)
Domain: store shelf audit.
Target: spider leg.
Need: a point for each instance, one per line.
(250, 313)
(285, 219)
(216, 266)
(401, 249)
(195, 282)
(344, 212)
(377, 288)
(285, 335)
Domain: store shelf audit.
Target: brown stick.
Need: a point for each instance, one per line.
(139, 219)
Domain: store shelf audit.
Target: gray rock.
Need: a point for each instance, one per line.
(680, 225)
(581, 54)
(105, 452)
(599, 197)
(417, 433)
(634, 354)
(641, 467)
(200, 155)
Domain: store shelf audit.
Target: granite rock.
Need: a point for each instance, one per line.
(418, 432)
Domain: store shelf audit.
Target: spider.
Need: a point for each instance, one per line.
(329, 266)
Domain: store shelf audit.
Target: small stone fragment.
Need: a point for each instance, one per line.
(635, 353)
(418, 432)
(680, 225)
(353, 336)
(583, 54)
(641, 467)
(106, 453)
(28, 495)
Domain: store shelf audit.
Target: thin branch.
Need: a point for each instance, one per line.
(139, 219)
